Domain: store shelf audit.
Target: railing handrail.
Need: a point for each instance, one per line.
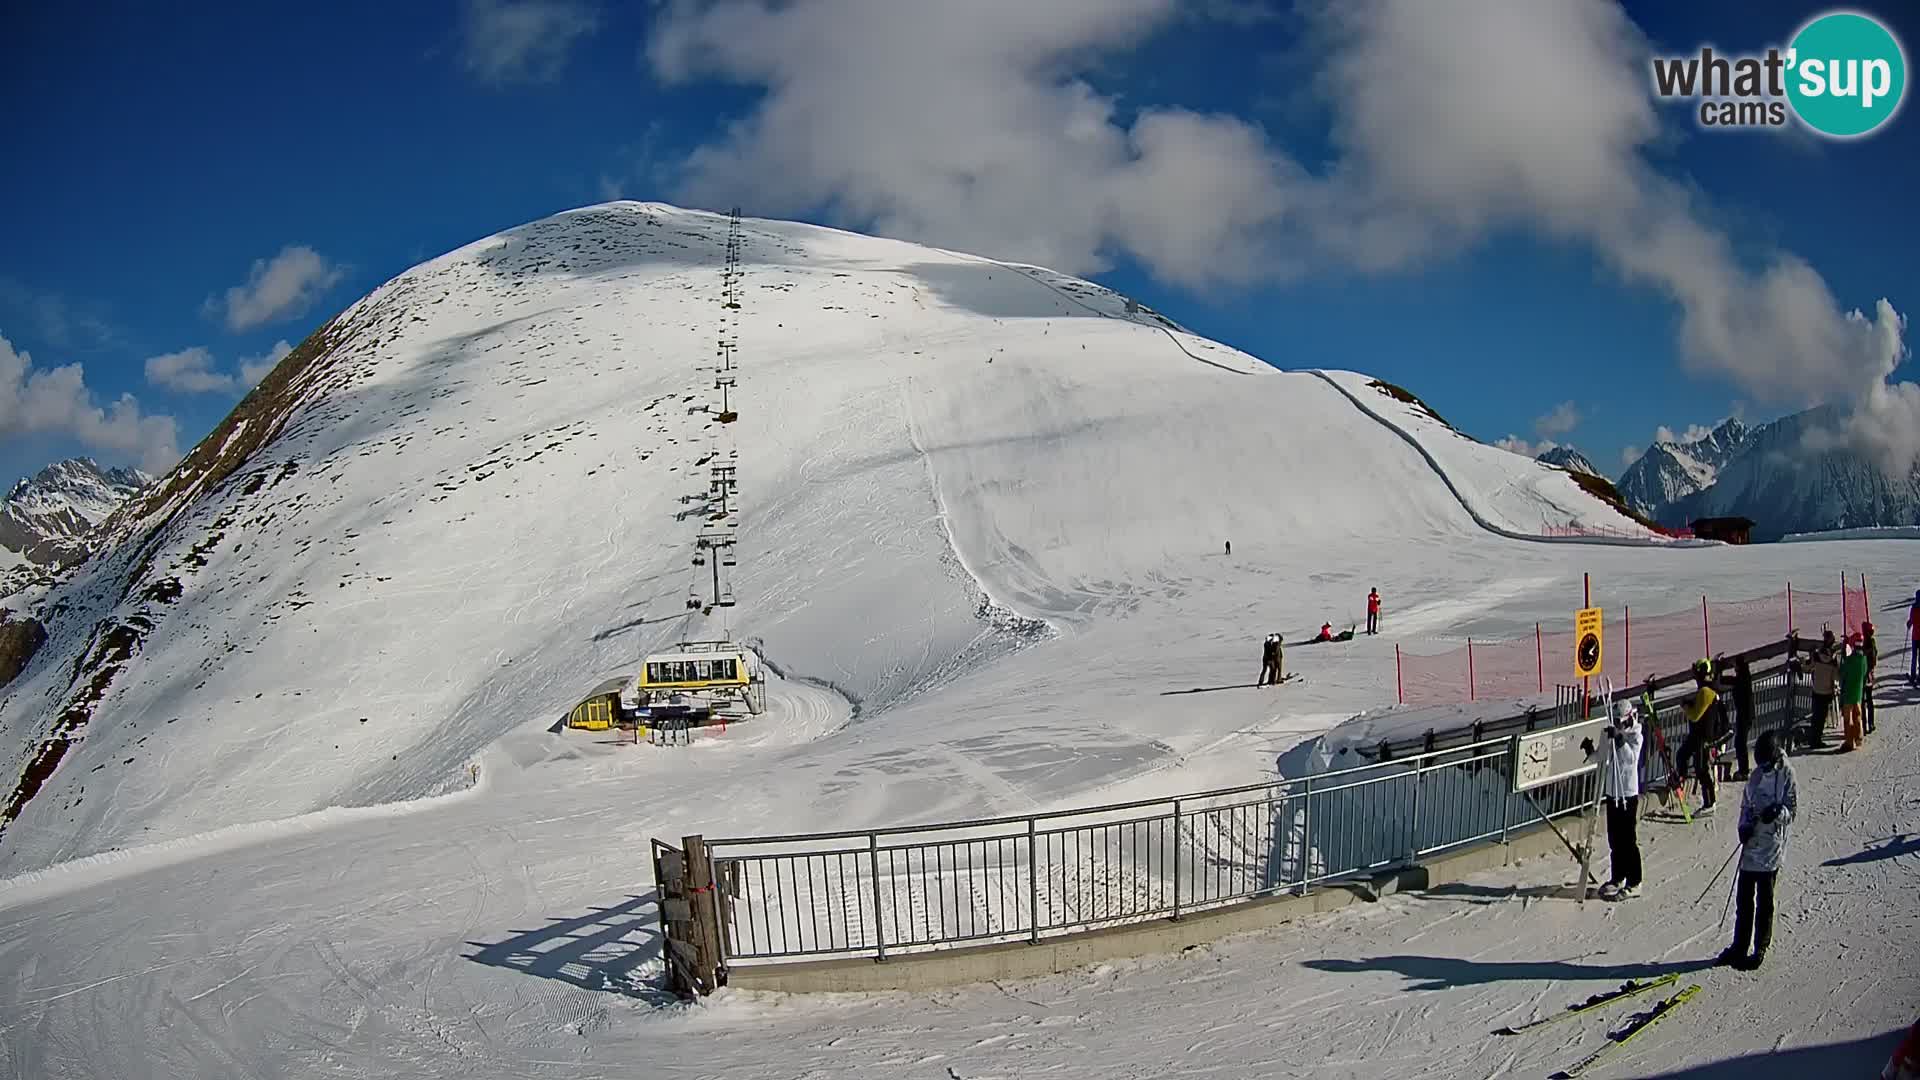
(933, 887)
(1332, 775)
(1416, 759)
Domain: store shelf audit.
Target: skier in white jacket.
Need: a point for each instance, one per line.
(1620, 780)
(1766, 809)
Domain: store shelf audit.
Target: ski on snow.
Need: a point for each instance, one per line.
(1630, 988)
(1615, 1040)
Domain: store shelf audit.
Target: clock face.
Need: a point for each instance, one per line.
(1588, 654)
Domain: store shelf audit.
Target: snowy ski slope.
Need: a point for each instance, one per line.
(315, 825)
(472, 512)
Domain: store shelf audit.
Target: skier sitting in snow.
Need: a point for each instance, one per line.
(1326, 632)
(1622, 790)
(1766, 809)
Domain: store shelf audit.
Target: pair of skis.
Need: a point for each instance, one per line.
(1676, 780)
(1628, 989)
(1616, 1039)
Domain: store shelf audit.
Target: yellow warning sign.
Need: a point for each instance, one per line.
(1586, 642)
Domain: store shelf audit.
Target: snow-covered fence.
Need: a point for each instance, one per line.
(1521, 667)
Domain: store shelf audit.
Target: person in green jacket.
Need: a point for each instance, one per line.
(1853, 687)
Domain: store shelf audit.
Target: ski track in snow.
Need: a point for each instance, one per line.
(982, 533)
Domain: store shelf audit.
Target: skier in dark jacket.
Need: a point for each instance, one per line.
(1269, 661)
(1913, 641)
(1767, 808)
(1702, 709)
(1742, 710)
(1873, 662)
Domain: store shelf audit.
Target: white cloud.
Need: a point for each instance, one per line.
(503, 41)
(1559, 420)
(189, 371)
(56, 401)
(282, 287)
(968, 125)
(255, 368)
(1631, 454)
(1694, 433)
(1525, 448)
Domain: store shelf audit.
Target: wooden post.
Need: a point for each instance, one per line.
(1470, 696)
(1789, 607)
(708, 966)
(1626, 614)
(1399, 682)
(1866, 601)
(676, 919)
(1706, 629)
(1539, 661)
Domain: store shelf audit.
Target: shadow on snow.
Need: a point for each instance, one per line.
(1443, 972)
(603, 950)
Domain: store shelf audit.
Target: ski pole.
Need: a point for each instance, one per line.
(1716, 875)
(1735, 887)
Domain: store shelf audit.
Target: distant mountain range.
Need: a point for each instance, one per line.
(1769, 475)
(45, 517)
(1566, 457)
(1671, 471)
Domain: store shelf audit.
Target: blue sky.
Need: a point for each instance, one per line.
(190, 187)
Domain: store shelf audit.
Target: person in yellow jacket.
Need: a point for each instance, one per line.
(1702, 710)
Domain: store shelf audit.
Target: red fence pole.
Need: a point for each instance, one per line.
(1470, 696)
(1539, 659)
(1706, 628)
(1399, 684)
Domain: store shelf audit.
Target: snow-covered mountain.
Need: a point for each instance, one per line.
(45, 516)
(1566, 457)
(473, 495)
(1671, 471)
(1785, 486)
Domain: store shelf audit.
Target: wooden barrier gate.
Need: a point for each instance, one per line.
(689, 917)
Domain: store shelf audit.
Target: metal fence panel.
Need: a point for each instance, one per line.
(888, 891)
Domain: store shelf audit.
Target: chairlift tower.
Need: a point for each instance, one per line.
(721, 488)
(721, 547)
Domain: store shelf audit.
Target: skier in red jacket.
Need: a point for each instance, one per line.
(1373, 611)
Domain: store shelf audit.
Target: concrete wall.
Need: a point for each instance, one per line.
(1023, 960)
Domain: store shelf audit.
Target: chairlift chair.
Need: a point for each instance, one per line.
(693, 601)
(699, 558)
(727, 559)
(726, 599)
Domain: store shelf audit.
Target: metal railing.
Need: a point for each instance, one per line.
(883, 892)
(889, 891)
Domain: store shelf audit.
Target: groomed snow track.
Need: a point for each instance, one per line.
(1466, 504)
